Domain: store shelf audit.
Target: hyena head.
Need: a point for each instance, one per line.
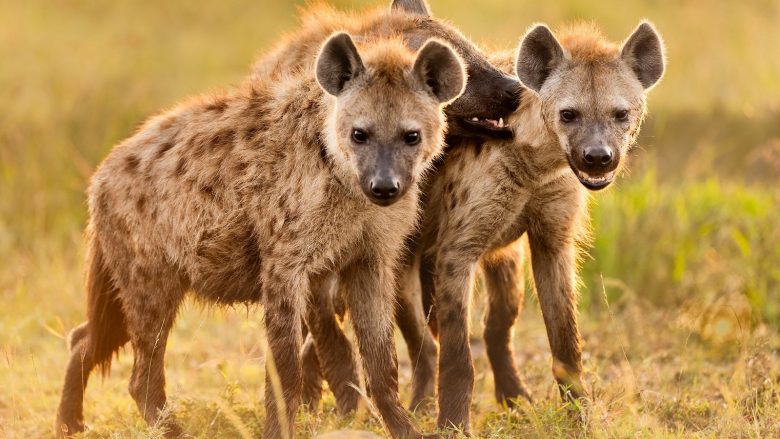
(592, 93)
(490, 94)
(387, 122)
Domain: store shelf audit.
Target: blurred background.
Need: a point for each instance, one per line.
(690, 235)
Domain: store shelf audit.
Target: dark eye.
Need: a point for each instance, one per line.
(568, 115)
(412, 138)
(621, 115)
(359, 136)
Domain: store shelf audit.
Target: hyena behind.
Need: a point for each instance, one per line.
(256, 195)
(490, 96)
(572, 132)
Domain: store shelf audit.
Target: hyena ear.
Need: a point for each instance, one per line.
(418, 7)
(539, 54)
(441, 70)
(643, 51)
(338, 63)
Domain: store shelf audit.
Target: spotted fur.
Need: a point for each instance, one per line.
(254, 195)
(486, 196)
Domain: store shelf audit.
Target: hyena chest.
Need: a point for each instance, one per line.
(511, 220)
(228, 265)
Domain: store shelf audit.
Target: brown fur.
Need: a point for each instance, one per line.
(485, 196)
(488, 93)
(254, 195)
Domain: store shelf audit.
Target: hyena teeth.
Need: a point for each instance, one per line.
(475, 119)
(501, 122)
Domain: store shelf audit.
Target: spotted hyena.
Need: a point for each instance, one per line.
(256, 195)
(480, 112)
(585, 105)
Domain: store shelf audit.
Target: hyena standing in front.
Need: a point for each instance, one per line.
(257, 195)
(490, 96)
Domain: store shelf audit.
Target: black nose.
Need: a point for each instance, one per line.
(384, 188)
(598, 156)
(510, 92)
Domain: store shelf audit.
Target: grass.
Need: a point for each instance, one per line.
(680, 305)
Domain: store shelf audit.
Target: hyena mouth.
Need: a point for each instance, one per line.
(487, 126)
(594, 182)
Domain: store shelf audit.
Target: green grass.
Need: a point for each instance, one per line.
(681, 298)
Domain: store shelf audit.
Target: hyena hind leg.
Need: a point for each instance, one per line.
(70, 414)
(151, 311)
(503, 278)
(423, 353)
(78, 334)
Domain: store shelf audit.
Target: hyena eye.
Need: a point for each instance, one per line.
(621, 115)
(412, 138)
(569, 115)
(359, 136)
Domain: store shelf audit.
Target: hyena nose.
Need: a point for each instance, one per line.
(598, 156)
(510, 95)
(385, 188)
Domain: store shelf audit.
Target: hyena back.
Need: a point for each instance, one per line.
(572, 132)
(256, 195)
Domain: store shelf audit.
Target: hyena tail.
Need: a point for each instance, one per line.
(106, 329)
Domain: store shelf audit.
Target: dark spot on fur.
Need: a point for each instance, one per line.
(219, 106)
(222, 138)
(140, 204)
(453, 202)
(131, 163)
(250, 133)
(208, 190)
(165, 147)
(181, 167)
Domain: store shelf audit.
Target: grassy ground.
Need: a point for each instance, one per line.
(681, 298)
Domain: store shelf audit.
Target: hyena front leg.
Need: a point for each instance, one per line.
(370, 288)
(283, 315)
(454, 279)
(151, 306)
(503, 276)
(333, 349)
(553, 256)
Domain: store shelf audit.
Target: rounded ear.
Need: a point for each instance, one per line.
(643, 51)
(418, 7)
(338, 63)
(539, 54)
(441, 70)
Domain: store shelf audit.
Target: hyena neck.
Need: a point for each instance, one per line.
(535, 144)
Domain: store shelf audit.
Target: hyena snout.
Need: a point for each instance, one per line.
(384, 187)
(595, 164)
(598, 158)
